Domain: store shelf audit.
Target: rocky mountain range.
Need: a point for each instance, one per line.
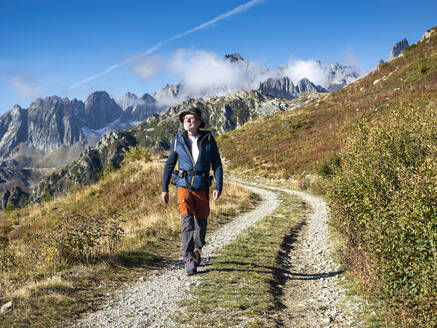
(56, 124)
(284, 87)
(53, 122)
(221, 114)
(53, 131)
(272, 82)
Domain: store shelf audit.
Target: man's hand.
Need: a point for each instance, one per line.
(164, 197)
(216, 194)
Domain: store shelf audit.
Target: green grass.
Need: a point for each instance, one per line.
(242, 280)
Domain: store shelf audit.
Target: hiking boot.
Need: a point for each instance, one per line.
(191, 267)
(197, 252)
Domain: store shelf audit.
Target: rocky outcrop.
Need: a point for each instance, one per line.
(234, 58)
(280, 88)
(100, 110)
(14, 198)
(108, 152)
(140, 108)
(13, 129)
(221, 114)
(340, 75)
(398, 48)
(306, 85)
(53, 122)
(284, 87)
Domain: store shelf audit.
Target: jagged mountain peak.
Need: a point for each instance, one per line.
(284, 88)
(98, 95)
(16, 108)
(335, 65)
(398, 48)
(50, 100)
(148, 98)
(234, 58)
(130, 95)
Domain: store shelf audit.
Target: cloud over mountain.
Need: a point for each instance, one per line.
(298, 69)
(25, 85)
(204, 74)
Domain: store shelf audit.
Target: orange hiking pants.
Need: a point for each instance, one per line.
(196, 203)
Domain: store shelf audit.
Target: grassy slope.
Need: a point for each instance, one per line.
(286, 144)
(306, 139)
(50, 278)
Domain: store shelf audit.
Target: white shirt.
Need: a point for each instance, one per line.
(194, 147)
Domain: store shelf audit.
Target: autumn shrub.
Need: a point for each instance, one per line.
(80, 238)
(7, 256)
(384, 202)
(329, 166)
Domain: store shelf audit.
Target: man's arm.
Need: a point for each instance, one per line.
(168, 170)
(217, 169)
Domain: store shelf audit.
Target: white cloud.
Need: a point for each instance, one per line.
(313, 70)
(148, 67)
(350, 58)
(203, 73)
(202, 70)
(25, 85)
(237, 10)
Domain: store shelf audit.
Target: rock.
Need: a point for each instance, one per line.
(87, 168)
(427, 34)
(398, 48)
(6, 307)
(284, 87)
(234, 58)
(340, 75)
(13, 198)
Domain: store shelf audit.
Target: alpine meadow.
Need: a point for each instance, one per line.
(328, 215)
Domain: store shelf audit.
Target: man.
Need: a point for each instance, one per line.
(197, 152)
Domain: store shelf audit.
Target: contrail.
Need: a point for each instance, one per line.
(159, 45)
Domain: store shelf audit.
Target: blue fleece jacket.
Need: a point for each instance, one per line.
(209, 158)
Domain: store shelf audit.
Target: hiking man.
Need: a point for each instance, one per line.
(197, 152)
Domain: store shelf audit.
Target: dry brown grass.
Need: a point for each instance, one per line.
(30, 253)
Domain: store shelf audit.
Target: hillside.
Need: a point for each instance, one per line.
(62, 257)
(289, 143)
(375, 145)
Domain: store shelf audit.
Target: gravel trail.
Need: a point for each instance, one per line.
(312, 295)
(151, 302)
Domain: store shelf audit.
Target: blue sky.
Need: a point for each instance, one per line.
(48, 47)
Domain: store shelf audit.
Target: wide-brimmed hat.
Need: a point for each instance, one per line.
(196, 112)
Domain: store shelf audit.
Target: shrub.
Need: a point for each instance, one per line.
(329, 166)
(7, 256)
(107, 170)
(80, 238)
(9, 207)
(384, 202)
(423, 68)
(137, 153)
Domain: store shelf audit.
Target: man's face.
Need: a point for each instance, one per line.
(191, 123)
